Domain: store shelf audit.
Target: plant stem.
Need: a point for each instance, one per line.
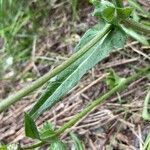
(100, 100)
(94, 105)
(136, 26)
(4, 104)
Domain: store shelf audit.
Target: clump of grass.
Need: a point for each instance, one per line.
(20, 22)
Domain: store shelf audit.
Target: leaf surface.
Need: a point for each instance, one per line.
(124, 13)
(108, 14)
(141, 38)
(30, 127)
(68, 78)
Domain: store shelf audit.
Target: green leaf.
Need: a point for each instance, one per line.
(68, 78)
(142, 39)
(113, 79)
(108, 14)
(57, 145)
(105, 10)
(124, 13)
(46, 131)
(119, 38)
(56, 82)
(30, 127)
(78, 144)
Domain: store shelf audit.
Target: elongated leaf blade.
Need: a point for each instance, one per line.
(67, 79)
(142, 39)
(30, 127)
(55, 82)
(124, 13)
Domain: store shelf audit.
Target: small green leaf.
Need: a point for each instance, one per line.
(46, 131)
(108, 14)
(106, 10)
(57, 145)
(119, 38)
(113, 79)
(47, 126)
(142, 39)
(77, 142)
(30, 127)
(124, 13)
